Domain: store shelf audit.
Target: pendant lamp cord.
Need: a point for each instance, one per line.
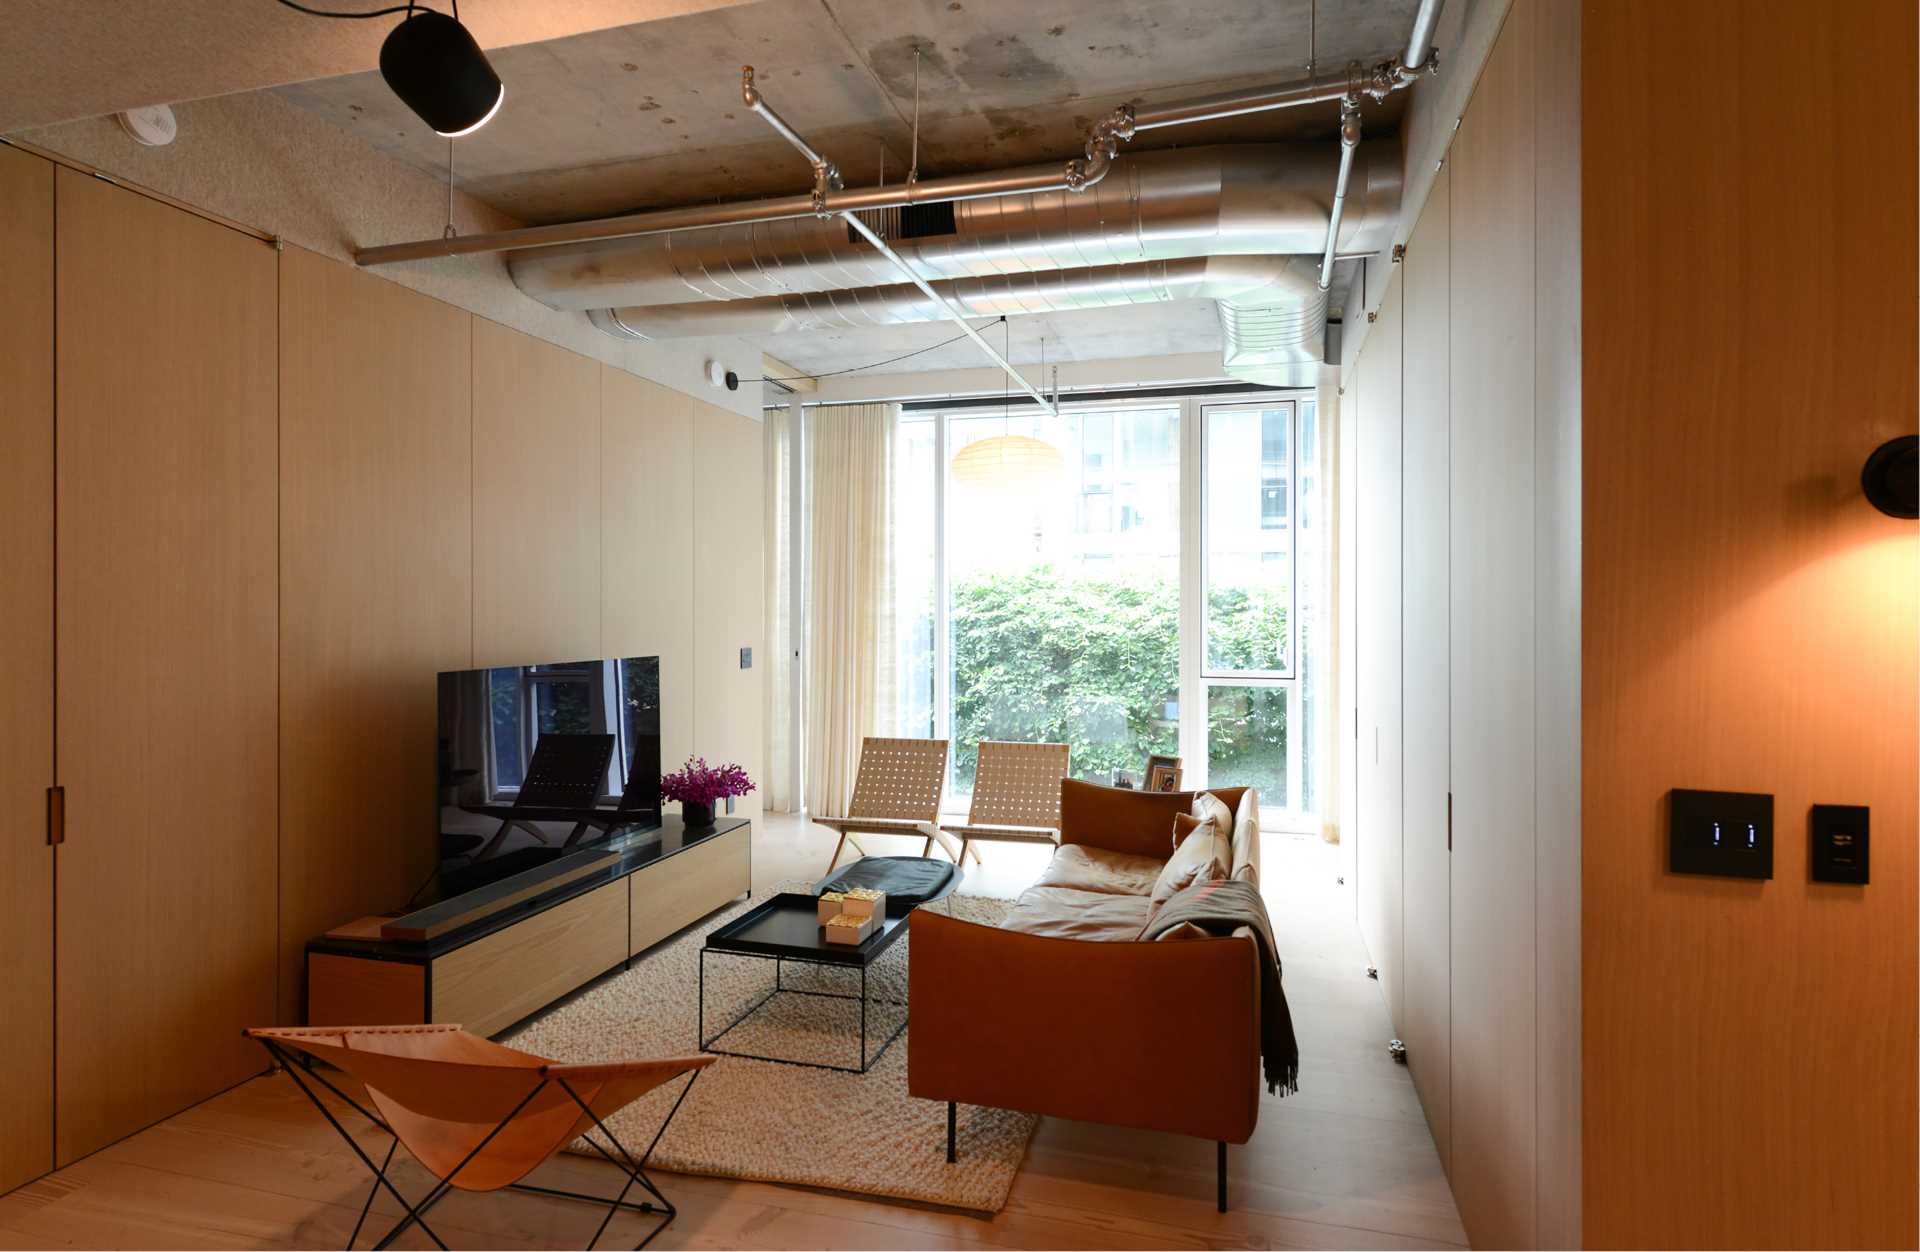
(450, 232)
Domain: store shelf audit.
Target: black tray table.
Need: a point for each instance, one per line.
(786, 928)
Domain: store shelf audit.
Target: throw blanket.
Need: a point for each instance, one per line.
(1220, 908)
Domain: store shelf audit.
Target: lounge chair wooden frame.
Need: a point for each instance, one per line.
(896, 792)
(420, 1095)
(1016, 794)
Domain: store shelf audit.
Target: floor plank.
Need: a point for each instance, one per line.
(1346, 1163)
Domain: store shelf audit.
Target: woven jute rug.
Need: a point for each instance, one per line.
(786, 1123)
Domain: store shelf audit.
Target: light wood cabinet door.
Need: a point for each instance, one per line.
(1379, 639)
(1425, 1019)
(1491, 647)
(167, 634)
(26, 678)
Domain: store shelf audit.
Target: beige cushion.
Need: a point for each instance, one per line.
(1209, 807)
(1205, 855)
(1083, 868)
(1063, 913)
(1246, 839)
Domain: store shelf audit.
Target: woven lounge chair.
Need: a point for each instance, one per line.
(897, 792)
(477, 1115)
(1016, 794)
(566, 773)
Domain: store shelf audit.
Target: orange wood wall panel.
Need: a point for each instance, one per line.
(26, 677)
(1749, 311)
(167, 634)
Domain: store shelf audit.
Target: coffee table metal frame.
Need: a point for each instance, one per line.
(858, 957)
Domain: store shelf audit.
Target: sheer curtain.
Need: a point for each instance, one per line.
(776, 789)
(849, 656)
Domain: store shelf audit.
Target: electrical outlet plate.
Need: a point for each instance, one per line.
(1838, 851)
(1725, 833)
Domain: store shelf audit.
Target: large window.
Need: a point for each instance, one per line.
(1062, 561)
(1251, 564)
(1051, 571)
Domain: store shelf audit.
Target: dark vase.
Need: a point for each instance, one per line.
(696, 814)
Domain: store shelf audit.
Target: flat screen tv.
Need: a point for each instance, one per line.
(542, 761)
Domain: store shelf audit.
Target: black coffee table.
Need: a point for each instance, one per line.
(787, 928)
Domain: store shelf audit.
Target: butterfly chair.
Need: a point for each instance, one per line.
(1016, 794)
(896, 792)
(567, 772)
(477, 1115)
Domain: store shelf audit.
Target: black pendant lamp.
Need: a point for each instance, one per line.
(437, 69)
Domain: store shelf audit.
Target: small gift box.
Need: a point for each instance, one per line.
(848, 929)
(829, 905)
(864, 902)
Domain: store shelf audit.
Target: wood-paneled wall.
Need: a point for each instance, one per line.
(647, 495)
(376, 559)
(1465, 525)
(26, 678)
(285, 495)
(1426, 862)
(1377, 563)
(1750, 332)
(167, 619)
(536, 500)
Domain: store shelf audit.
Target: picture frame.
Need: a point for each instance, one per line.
(1166, 779)
(1151, 777)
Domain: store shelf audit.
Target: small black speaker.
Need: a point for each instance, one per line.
(1891, 477)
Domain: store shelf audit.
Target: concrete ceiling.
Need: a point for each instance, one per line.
(649, 114)
(67, 59)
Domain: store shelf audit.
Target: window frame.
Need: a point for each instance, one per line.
(1292, 403)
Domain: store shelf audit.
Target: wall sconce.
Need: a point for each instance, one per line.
(1891, 477)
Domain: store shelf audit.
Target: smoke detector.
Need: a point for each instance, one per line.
(720, 376)
(153, 126)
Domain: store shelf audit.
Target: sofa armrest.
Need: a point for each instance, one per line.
(1161, 1036)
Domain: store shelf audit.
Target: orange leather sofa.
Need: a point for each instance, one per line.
(1061, 1010)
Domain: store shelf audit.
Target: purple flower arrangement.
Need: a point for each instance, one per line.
(696, 782)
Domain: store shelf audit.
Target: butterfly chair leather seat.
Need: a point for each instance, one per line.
(480, 1116)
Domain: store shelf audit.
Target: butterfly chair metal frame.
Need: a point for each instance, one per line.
(274, 1042)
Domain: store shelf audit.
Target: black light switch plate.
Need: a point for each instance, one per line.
(1839, 849)
(1729, 833)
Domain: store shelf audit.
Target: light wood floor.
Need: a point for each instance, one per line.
(1346, 1163)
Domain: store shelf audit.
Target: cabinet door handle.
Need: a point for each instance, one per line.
(1449, 821)
(56, 816)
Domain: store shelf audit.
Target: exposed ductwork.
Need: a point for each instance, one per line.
(1242, 225)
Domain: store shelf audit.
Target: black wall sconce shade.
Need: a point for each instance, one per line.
(437, 69)
(1891, 477)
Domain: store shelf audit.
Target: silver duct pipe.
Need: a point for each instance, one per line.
(1272, 311)
(1271, 199)
(1384, 79)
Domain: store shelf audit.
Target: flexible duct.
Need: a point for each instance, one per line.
(1250, 200)
(1240, 225)
(1272, 311)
